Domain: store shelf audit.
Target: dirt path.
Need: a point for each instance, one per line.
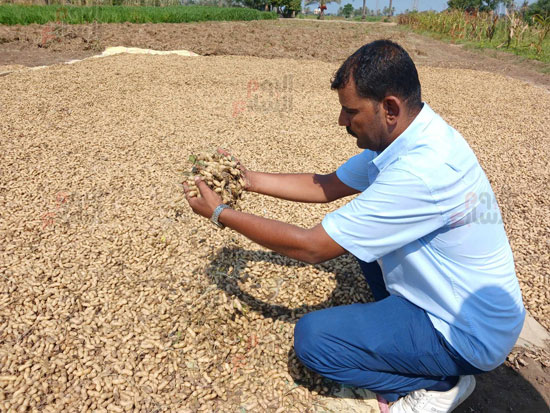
(36, 45)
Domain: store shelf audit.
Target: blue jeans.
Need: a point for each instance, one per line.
(389, 346)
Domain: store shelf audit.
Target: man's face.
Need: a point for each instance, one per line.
(363, 118)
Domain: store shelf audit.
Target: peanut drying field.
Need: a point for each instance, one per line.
(114, 296)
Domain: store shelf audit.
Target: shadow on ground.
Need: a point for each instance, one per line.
(502, 390)
(350, 284)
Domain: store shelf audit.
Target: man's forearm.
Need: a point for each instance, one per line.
(281, 237)
(292, 187)
(312, 245)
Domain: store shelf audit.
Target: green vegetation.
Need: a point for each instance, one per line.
(512, 32)
(287, 8)
(18, 14)
(480, 5)
(311, 16)
(541, 7)
(347, 10)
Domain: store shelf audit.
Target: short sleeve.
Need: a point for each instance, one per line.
(354, 172)
(396, 209)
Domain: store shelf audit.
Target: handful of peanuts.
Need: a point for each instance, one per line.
(221, 173)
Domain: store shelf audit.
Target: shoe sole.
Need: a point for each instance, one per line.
(467, 393)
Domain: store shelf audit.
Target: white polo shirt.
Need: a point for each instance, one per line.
(428, 214)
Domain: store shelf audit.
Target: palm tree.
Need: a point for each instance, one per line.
(364, 15)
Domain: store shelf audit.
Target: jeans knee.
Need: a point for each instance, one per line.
(306, 337)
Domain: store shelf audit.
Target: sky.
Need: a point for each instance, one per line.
(400, 5)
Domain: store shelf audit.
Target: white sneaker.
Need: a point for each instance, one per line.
(424, 401)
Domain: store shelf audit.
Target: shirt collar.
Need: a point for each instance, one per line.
(404, 141)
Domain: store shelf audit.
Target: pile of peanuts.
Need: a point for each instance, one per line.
(221, 173)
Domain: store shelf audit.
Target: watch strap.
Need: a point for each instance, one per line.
(216, 215)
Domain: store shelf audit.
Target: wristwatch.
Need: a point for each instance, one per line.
(216, 215)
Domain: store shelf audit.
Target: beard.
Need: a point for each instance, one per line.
(348, 129)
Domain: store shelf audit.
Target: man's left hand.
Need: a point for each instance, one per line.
(207, 203)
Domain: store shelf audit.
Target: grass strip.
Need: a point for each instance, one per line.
(11, 14)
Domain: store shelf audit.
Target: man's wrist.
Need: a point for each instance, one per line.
(215, 218)
(249, 180)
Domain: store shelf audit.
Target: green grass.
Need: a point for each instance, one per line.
(19, 14)
(522, 50)
(315, 17)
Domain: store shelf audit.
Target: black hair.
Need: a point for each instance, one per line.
(380, 69)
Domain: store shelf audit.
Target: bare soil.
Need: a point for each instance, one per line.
(329, 41)
(115, 129)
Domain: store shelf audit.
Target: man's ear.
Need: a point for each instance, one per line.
(392, 107)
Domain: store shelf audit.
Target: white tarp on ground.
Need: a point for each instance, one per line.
(109, 51)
